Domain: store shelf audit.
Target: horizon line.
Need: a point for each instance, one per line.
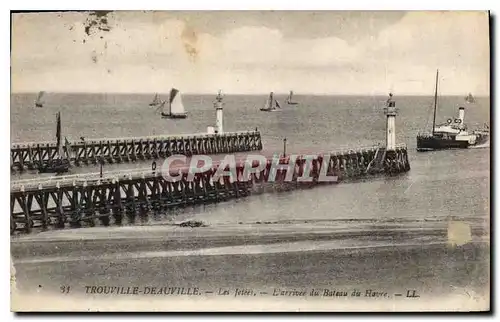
(259, 93)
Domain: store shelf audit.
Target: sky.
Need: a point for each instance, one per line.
(250, 52)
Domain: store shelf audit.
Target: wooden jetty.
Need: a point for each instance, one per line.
(34, 155)
(84, 200)
(88, 199)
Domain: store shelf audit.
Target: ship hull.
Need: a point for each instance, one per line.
(55, 167)
(431, 143)
(482, 138)
(174, 116)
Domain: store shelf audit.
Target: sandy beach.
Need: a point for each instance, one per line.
(236, 262)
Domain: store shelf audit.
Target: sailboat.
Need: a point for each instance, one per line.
(450, 135)
(156, 100)
(38, 101)
(59, 164)
(272, 105)
(470, 99)
(174, 108)
(289, 99)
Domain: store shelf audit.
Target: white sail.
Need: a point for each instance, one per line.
(268, 104)
(39, 101)
(68, 148)
(175, 102)
(270, 101)
(156, 100)
(289, 99)
(470, 99)
(271, 104)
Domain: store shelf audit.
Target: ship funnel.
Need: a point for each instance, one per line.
(461, 114)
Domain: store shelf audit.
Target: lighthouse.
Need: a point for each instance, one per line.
(218, 114)
(390, 112)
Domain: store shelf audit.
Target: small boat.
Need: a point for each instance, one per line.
(450, 135)
(55, 166)
(38, 101)
(156, 100)
(272, 105)
(59, 164)
(470, 99)
(289, 99)
(175, 108)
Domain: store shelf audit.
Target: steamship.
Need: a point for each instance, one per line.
(451, 135)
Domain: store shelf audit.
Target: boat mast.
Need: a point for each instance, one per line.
(170, 100)
(58, 136)
(435, 102)
(163, 108)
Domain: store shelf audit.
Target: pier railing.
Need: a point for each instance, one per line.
(33, 155)
(150, 137)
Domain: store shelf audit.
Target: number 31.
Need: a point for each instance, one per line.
(65, 289)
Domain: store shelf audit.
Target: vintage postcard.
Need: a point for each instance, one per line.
(250, 161)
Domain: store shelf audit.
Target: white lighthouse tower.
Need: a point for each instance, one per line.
(218, 114)
(390, 112)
